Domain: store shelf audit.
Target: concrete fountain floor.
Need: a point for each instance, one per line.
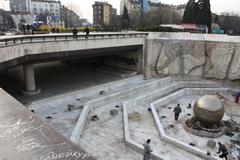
(178, 132)
(104, 139)
(55, 112)
(144, 127)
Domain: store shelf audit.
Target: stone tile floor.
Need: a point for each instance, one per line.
(57, 107)
(104, 138)
(62, 119)
(178, 131)
(144, 128)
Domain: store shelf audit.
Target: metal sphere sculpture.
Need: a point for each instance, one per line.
(209, 110)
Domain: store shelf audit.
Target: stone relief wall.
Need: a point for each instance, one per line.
(192, 57)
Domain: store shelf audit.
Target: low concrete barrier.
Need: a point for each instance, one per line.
(137, 147)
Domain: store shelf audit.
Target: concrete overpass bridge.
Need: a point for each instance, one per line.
(31, 49)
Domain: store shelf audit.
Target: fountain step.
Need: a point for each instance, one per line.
(168, 89)
(116, 71)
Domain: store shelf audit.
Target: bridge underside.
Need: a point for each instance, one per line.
(121, 61)
(67, 55)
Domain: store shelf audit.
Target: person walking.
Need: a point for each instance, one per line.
(177, 110)
(87, 31)
(147, 150)
(75, 32)
(223, 150)
(236, 96)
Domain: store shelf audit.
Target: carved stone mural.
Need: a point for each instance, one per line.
(197, 55)
(168, 58)
(234, 71)
(219, 56)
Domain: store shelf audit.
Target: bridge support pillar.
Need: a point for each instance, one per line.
(29, 78)
(147, 62)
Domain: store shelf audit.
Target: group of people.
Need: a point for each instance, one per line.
(222, 150)
(75, 32)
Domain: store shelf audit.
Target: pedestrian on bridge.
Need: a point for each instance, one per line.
(75, 32)
(87, 31)
(147, 150)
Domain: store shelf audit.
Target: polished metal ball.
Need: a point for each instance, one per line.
(208, 109)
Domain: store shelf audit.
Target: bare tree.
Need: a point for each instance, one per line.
(135, 18)
(74, 7)
(230, 22)
(163, 15)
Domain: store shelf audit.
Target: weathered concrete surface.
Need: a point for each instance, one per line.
(235, 66)
(219, 56)
(201, 55)
(23, 136)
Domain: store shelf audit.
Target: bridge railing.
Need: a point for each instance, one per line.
(16, 40)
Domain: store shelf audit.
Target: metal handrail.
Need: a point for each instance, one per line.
(64, 37)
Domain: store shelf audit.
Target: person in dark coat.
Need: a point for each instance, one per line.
(236, 96)
(223, 150)
(147, 150)
(28, 27)
(87, 31)
(177, 110)
(75, 32)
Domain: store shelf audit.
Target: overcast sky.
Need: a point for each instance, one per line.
(84, 7)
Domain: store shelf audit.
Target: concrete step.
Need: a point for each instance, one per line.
(93, 92)
(133, 91)
(115, 98)
(116, 71)
(151, 96)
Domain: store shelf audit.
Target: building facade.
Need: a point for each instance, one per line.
(46, 7)
(131, 5)
(47, 11)
(69, 18)
(144, 6)
(107, 9)
(134, 6)
(153, 6)
(20, 5)
(98, 14)
(103, 14)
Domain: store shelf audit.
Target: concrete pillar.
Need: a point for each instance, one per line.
(147, 61)
(140, 61)
(29, 78)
